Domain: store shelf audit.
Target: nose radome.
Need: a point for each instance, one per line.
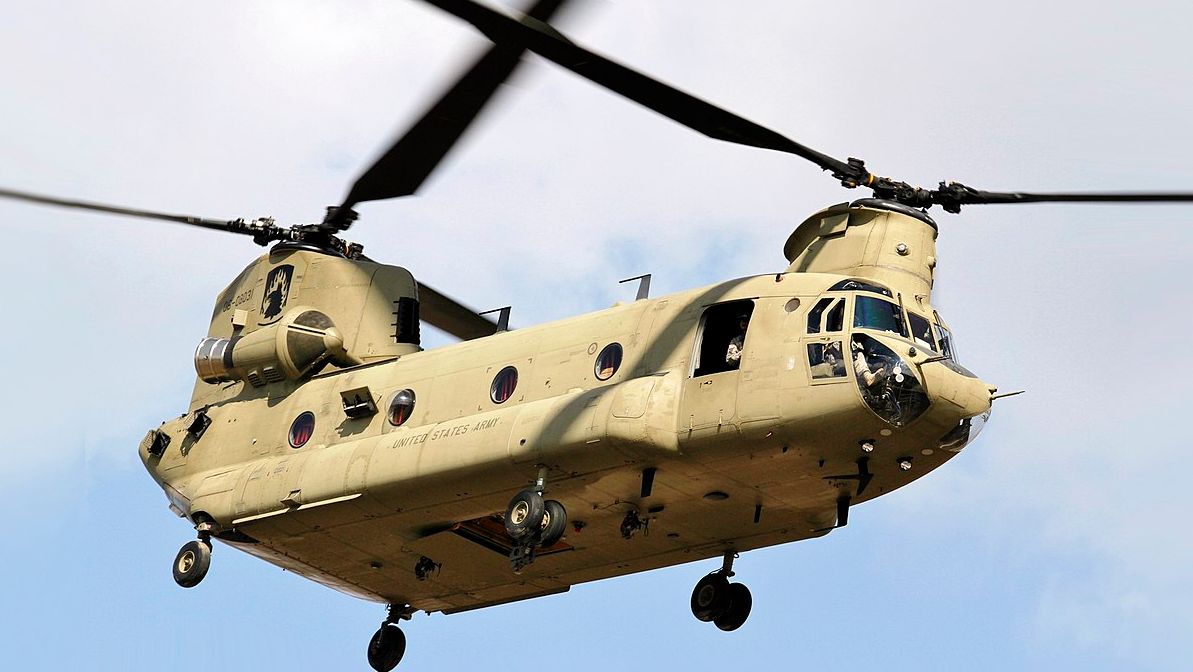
(974, 397)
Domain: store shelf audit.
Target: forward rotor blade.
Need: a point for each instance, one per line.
(979, 196)
(234, 225)
(447, 314)
(701, 116)
(406, 164)
(952, 195)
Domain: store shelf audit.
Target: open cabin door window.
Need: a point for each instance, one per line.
(721, 339)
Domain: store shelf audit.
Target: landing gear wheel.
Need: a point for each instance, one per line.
(740, 602)
(524, 515)
(555, 521)
(710, 597)
(191, 563)
(387, 648)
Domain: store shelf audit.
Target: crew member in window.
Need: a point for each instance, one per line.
(832, 357)
(733, 355)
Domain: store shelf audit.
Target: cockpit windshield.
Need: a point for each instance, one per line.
(921, 330)
(870, 312)
(880, 314)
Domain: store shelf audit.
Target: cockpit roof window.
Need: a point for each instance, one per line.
(874, 313)
(860, 286)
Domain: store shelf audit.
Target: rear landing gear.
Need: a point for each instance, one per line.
(716, 600)
(388, 644)
(194, 558)
(192, 562)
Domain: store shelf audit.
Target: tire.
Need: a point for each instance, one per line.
(386, 648)
(555, 521)
(710, 597)
(740, 602)
(191, 563)
(524, 515)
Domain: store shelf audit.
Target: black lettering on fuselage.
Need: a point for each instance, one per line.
(485, 424)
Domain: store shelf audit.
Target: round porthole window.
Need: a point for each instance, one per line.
(401, 408)
(608, 362)
(302, 429)
(503, 385)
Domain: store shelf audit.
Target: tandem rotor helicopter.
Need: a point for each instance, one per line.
(748, 413)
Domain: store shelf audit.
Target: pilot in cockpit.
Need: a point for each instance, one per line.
(861, 367)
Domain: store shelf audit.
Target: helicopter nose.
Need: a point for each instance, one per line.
(968, 395)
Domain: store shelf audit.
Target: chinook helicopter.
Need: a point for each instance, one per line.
(656, 421)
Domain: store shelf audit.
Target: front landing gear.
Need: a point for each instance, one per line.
(388, 644)
(716, 600)
(532, 522)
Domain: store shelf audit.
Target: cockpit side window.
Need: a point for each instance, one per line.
(946, 341)
(873, 313)
(921, 330)
(836, 317)
(944, 337)
(815, 314)
(835, 321)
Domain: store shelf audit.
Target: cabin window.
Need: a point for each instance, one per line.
(302, 429)
(722, 338)
(401, 408)
(921, 330)
(503, 385)
(873, 313)
(608, 362)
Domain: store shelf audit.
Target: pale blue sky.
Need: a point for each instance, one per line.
(1058, 540)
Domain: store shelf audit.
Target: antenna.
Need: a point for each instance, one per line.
(643, 285)
(503, 318)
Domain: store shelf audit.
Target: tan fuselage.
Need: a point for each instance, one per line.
(742, 458)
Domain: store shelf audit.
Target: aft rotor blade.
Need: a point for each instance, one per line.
(406, 164)
(445, 313)
(701, 116)
(219, 224)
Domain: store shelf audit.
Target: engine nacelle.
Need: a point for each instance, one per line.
(297, 346)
